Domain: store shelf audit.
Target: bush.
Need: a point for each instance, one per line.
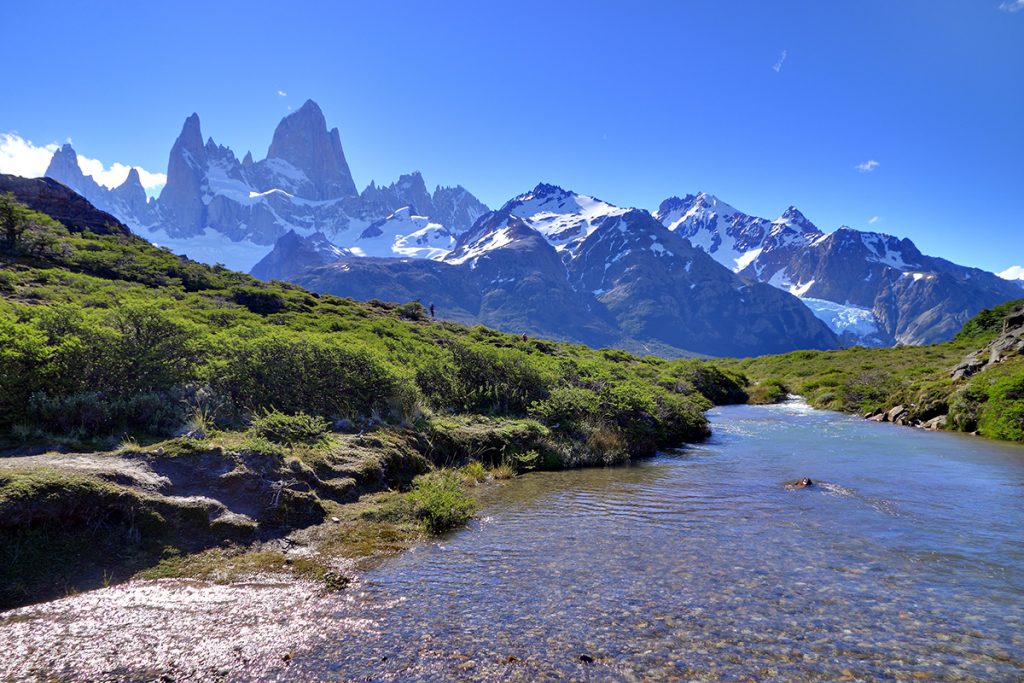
(566, 406)
(607, 446)
(413, 310)
(291, 430)
(1002, 415)
(294, 373)
(440, 501)
(770, 391)
(484, 379)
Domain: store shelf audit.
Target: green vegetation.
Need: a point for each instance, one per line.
(919, 378)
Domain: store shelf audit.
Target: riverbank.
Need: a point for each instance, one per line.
(973, 384)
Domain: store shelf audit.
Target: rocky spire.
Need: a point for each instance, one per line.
(302, 139)
(182, 197)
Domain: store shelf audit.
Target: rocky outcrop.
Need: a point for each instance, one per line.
(62, 203)
(1010, 342)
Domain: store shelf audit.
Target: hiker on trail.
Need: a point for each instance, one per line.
(432, 311)
(525, 338)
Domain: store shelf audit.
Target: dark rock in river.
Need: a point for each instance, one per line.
(797, 484)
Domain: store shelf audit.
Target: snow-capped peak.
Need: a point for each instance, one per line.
(564, 218)
(793, 219)
(732, 237)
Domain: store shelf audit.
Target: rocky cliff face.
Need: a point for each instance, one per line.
(62, 203)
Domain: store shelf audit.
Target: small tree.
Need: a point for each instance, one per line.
(12, 222)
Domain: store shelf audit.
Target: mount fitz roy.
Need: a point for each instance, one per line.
(215, 208)
(696, 276)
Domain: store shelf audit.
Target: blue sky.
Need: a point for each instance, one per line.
(628, 101)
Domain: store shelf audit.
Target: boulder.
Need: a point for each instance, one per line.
(936, 423)
(896, 413)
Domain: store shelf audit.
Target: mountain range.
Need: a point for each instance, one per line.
(216, 208)
(695, 276)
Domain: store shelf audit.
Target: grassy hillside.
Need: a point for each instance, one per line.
(210, 408)
(919, 378)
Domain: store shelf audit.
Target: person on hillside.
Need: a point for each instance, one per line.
(432, 316)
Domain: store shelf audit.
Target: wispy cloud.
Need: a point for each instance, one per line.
(1011, 6)
(873, 220)
(22, 157)
(282, 93)
(867, 166)
(777, 66)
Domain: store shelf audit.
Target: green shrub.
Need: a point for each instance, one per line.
(294, 373)
(299, 429)
(1002, 415)
(475, 471)
(767, 392)
(440, 500)
(413, 310)
(566, 406)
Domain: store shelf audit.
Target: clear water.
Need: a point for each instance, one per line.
(905, 562)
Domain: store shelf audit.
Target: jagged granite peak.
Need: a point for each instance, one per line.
(303, 141)
(64, 165)
(456, 208)
(181, 200)
(408, 191)
(247, 159)
(131, 194)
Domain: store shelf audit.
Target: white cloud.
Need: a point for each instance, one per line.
(1011, 6)
(1012, 273)
(22, 157)
(282, 93)
(777, 66)
(873, 220)
(867, 166)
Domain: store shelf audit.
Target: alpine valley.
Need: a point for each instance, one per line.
(696, 277)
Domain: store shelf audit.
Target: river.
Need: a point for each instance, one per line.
(904, 561)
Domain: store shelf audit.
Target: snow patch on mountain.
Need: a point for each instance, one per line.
(403, 234)
(853, 321)
(212, 247)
